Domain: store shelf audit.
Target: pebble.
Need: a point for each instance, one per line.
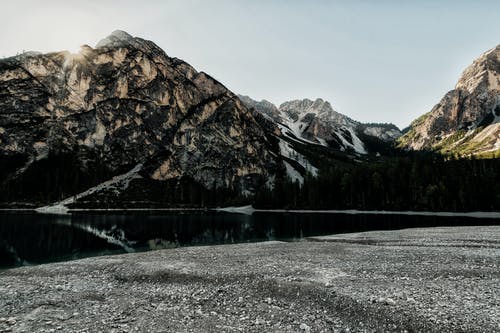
(384, 300)
(261, 303)
(390, 301)
(305, 327)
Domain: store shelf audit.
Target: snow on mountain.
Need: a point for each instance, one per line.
(288, 151)
(316, 122)
(293, 174)
(313, 122)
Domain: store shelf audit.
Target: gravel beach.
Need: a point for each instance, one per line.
(412, 280)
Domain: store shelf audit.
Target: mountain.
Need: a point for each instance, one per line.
(312, 136)
(125, 125)
(264, 107)
(122, 108)
(316, 122)
(467, 119)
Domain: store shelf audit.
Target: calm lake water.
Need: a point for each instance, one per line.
(28, 238)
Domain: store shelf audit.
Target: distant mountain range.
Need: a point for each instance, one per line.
(125, 123)
(316, 122)
(306, 122)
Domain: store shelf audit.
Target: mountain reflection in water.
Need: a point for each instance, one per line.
(29, 238)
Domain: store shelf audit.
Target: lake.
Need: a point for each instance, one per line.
(29, 238)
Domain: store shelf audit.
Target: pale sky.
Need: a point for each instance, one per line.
(375, 61)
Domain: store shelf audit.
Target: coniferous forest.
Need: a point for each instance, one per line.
(403, 181)
(423, 182)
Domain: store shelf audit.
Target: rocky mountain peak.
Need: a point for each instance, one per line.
(467, 119)
(321, 104)
(483, 73)
(297, 109)
(121, 104)
(116, 39)
(121, 39)
(306, 105)
(316, 122)
(263, 107)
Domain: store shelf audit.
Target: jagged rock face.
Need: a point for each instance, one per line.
(301, 126)
(385, 132)
(127, 102)
(318, 123)
(264, 107)
(466, 120)
(319, 109)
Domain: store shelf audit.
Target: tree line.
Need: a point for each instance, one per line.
(412, 182)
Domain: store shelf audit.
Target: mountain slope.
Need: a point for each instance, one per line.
(90, 116)
(316, 122)
(467, 119)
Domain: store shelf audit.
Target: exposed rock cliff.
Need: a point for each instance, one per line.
(467, 120)
(120, 104)
(317, 122)
(264, 107)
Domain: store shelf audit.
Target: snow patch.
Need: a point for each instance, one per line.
(293, 174)
(287, 151)
(297, 137)
(322, 142)
(357, 144)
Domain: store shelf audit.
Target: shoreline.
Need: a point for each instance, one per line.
(248, 210)
(426, 279)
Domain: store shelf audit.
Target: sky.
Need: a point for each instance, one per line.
(375, 61)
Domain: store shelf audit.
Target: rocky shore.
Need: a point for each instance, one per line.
(413, 280)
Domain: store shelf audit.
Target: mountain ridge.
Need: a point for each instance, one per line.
(315, 121)
(123, 103)
(124, 124)
(466, 120)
